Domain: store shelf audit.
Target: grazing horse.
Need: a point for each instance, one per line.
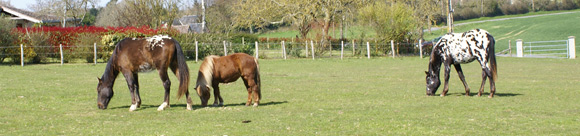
(133, 55)
(458, 48)
(215, 70)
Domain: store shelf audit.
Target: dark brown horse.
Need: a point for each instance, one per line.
(133, 55)
(226, 69)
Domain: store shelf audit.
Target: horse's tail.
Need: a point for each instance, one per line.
(258, 80)
(491, 53)
(182, 70)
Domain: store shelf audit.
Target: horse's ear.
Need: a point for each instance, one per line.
(427, 73)
(99, 79)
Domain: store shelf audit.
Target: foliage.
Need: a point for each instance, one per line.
(391, 22)
(247, 38)
(7, 37)
(516, 8)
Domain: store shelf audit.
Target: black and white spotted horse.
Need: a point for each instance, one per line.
(460, 48)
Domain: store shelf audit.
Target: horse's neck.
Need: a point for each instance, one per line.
(110, 73)
(435, 64)
(203, 80)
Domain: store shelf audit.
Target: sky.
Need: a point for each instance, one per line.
(23, 4)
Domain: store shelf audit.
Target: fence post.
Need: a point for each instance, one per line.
(284, 50)
(306, 46)
(196, 51)
(510, 47)
(225, 49)
(341, 49)
(256, 49)
(95, 45)
(267, 42)
(572, 47)
(368, 50)
(21, 55)
(393, 48)
(312, 48)
(519, 48)
(61, 55)
(353, 46)
(420, 48)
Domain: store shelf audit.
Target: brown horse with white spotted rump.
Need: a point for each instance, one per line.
(133, 55)
(215, 70)
(458, 48)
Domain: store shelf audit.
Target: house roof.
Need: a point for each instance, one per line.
(27, 15)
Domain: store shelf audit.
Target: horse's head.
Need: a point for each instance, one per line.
(433, 83)
(203, 92)
(105, 93)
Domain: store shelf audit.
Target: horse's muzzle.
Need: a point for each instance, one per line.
(101, 106)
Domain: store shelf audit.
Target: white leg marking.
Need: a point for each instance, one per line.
(188, 106)
(162, 107)
(255, 104)
(133, 107)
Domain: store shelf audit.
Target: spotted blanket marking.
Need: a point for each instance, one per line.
(465, 47)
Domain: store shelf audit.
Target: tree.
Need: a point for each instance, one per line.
(152, 13)
(75, 9)
(390, 20)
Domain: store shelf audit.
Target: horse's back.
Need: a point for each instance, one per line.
(144, 54)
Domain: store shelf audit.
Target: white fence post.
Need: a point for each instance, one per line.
(519, 48)
(306, 46)
(95, 61)
(420, 48)
(368, 50)
(353, 46)
(225, 49)
(510, 47)
(393, 48)
(572, 47)
(21, 56)
(283, 50)
(61, 55)
(341, 49)
(256, 49)
(196, 51)
(312, 48)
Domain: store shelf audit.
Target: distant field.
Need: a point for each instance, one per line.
(379, 96)
(553, 27)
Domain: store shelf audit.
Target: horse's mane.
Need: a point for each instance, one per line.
(206, 69)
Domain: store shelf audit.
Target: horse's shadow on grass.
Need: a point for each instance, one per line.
(194, 107)
(486, 94)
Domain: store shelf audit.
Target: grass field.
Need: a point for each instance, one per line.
(380, 96)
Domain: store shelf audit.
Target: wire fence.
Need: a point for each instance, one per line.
(34, 54)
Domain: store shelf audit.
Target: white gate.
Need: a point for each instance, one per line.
(547, 49)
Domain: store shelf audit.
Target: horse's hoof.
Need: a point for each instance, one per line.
(490, 96)
(133, 108)
(162, 107)
(255, 104)
(188, 107)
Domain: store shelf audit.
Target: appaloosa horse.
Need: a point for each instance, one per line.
(133, 55)
(215, 70)
(458, 48)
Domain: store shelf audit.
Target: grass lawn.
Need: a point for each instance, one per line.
(379, 96)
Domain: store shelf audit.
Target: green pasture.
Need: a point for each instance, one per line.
(379, 96)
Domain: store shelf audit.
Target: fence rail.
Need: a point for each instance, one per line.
(270, 50)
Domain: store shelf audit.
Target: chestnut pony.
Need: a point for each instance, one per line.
(226, 69)
(133, 55)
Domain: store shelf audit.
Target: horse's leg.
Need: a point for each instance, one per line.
(217, 96)
(252, 88)
(173, 68)
(484, 77)
(447, 64)
(491, 83)
(133, 85)
(460, 73)
(138, 96)
(166, 85)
